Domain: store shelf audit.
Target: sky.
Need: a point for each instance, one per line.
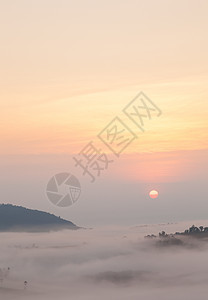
(68, 68)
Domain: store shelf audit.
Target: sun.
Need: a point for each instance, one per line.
(153, 194)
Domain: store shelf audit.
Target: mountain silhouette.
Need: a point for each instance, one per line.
(18, 218)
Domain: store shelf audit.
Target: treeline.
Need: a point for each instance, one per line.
(17, 217)
(200, 231)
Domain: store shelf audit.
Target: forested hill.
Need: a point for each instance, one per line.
(18, 218)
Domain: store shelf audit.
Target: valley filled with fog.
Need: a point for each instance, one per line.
(108, 262)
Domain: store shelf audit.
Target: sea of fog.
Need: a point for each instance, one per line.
(102, 263)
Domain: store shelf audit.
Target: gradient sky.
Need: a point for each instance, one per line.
(69, 67)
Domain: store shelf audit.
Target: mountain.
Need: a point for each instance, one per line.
(18, 218)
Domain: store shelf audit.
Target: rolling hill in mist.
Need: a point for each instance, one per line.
(18, 218)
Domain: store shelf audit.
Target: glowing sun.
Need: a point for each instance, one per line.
(153, 194)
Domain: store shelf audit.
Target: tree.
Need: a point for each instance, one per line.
(25, 284)
(201, 228)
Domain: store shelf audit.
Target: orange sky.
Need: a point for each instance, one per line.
(64, 78)
(66, 125)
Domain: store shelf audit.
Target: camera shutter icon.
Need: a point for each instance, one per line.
(63, 189)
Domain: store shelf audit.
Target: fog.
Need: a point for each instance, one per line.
(107, 262)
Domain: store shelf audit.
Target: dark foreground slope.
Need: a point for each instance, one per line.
(18, 218)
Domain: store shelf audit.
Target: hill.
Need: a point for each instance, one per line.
(18, 218)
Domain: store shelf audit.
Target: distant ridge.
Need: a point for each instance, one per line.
(18, 218)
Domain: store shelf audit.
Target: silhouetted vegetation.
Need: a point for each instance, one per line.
(193, 231)
(18, 218)
(164, 239)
